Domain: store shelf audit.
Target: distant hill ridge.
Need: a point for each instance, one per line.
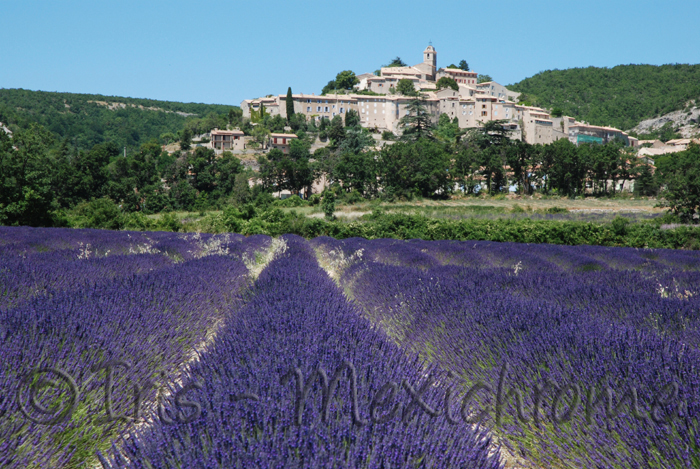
(621, 96)
(113, 106)
(89, 119)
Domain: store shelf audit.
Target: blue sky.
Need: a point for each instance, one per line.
(226, 51)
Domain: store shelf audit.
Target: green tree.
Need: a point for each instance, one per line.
(89, 175)
(274, 123)
(291, 172)
(667, 133)
(235, 114)
(492, 138)
(466, 166)
(326, 162)
(570, 168)
(447, 82)
(357, 171)
(101, 213)
(680, 174)
(298, 122)
(261, 134)
(271, 170)
(330, 86)
(356, 140)
(26, 195)
(202, 169)
(483, 78)
(323, 128)
(328, 204)
(226, 169)
(415, 168)
(185, 139)
(299, 173)
(168, 138)
(447, 130)
(352, 118)
(463, 65)
(290, 105)
(241, 189)
(346, 80)
(521, 157)
(336, 133)
(397, 62)
(406, 87)
(417, 123)
(645, 184)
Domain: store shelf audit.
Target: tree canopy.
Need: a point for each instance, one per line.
(406, 87)
(344, 80)
(396, 62)
(463, 65)
(447, 82)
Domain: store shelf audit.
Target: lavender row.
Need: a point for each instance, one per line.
(21, 279)
(579, 328)
(153, 321)
(298, 318)
(652, 296)
(75, 262)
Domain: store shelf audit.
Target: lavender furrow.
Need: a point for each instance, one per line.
(588, 328)
(298, 318)
(154, 321)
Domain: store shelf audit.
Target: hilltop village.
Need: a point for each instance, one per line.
(381, 107)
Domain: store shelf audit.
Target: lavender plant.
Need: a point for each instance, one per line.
(296, 323)
(570, 323)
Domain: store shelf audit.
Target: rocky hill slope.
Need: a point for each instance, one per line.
(685, 122)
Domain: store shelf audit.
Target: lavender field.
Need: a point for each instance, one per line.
(150, 350)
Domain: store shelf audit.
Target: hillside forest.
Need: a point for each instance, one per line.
(620, 97)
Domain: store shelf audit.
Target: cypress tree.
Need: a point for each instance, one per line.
(290, 104)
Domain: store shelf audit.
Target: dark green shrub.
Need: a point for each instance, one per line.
(292, 201)
(99, 213)
(619, 225)
(168, 222)
(353, 197)
(329, 205)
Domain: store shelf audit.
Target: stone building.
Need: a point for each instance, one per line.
(227, 140)
(472, 104)
(281, 141)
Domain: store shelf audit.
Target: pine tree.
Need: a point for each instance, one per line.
(417, 123)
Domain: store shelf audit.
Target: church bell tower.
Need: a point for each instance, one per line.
(430, 59)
